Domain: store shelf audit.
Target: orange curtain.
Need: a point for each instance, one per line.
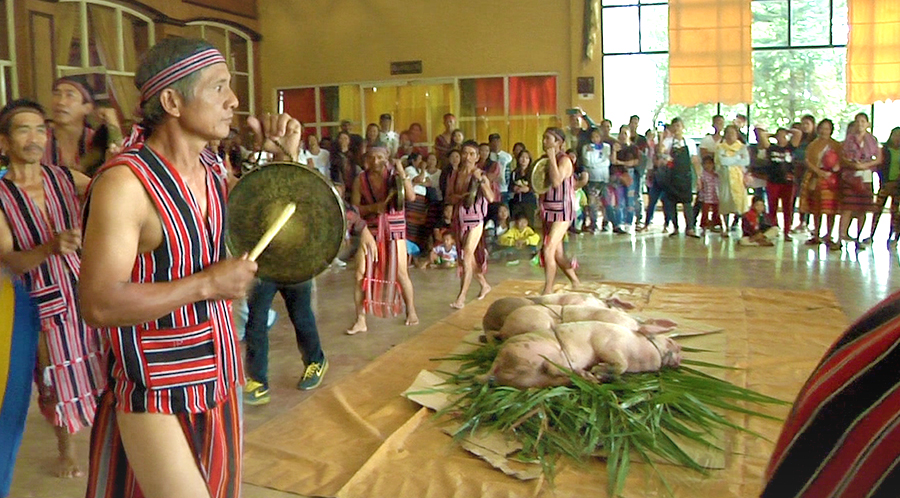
(873, 52)
(710, 52)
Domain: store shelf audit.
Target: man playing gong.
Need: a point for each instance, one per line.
(378, 275)
(156, 275)
(468, 220)
(557, 209)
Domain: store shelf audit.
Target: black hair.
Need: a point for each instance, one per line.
(469, 143)
(161, 56)
(757, 198)
(15, 107)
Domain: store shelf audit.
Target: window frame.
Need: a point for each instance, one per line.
(249, 74)
(84, 33)
(455, 107)
(13, 82)
(788, 46)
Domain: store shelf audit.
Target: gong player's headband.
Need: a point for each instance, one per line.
(179, 70)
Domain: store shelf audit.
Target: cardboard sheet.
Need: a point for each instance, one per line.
(360, 438)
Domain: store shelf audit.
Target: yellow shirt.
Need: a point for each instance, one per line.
(513, 235)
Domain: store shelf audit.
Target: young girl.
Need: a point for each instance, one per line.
(709, 196)
(523, 200)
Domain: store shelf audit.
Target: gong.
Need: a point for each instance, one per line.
(312, 236)
(539, 176)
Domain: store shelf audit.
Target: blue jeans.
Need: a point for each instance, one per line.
(298, 300)
(636, 193)
(655, 193)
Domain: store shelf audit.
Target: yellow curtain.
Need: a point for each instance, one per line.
(710, 52)
(349, 105)
(873, 51)
(65, 22)
(104, 34)
(441, 100)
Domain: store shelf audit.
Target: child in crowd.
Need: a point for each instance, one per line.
(443, 225)
(444, 255)
(758, 230)
(494, 228)
(519, 240)
(709, 196)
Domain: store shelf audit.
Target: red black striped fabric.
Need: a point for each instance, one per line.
(842, 438)
(214, 436)
(464, 220)
(396, 219)
(382, 295)
(77, 363)
(557, 203)
(187, 360)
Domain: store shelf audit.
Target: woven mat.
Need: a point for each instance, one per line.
(361, 438)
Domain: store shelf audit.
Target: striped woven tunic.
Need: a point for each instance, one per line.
(842, 438)
(52, 154)
(396, 220)
(464, 220)
(187, 360)
(557, 203)
(75, 373)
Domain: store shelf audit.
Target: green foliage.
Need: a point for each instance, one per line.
(636, 415)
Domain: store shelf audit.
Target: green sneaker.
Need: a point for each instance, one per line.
(255, 393)
(312, 377)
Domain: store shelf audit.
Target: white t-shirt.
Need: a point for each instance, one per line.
(504, 158)
(596, 161)
(709, 143)
(321, 161)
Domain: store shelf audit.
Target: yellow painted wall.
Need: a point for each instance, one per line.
(315, 42)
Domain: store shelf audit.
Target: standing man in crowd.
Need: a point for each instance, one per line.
(503, 159)
(40, 235)
(157, 277)
(388, 137)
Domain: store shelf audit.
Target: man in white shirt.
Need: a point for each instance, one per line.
(711, 141)
(504, 159)
(388, 137)
(596, 156)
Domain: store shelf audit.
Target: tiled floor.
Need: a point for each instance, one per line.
(858, 278)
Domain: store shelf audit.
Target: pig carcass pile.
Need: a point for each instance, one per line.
(576, 331)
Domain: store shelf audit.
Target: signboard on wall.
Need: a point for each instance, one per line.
(406, 67)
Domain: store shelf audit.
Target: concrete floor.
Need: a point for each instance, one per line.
(859, 279)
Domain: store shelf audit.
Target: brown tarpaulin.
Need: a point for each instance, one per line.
(361, 438)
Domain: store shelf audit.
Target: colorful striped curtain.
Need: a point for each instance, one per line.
(873, 52)
(710, 52)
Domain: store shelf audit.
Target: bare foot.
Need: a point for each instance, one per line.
(484, 291)
(359, 326)
(66, 468)
(457, 305)
(412, 319)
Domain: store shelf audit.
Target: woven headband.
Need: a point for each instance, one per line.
(85, 94)
(179, 70)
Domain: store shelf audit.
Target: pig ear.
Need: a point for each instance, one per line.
(657, 326)
(620, 303)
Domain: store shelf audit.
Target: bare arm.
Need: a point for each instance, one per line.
(121, 221)
(81, 182)
(24, 261)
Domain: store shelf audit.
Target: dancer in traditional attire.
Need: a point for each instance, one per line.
(40, 234)
(468, 221)
(156, 275)
(557, 210)
(382, 279)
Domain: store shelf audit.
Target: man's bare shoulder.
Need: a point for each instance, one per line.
(120, 183)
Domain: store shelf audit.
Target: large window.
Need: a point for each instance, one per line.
(799, 61)
(8, 82)
(103, 40)
(238, 50)
(519, 108)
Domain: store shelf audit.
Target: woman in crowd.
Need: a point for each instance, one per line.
(823, 158)
(456, 139)
(321, 158)
(889, 179)
(373, 134)
(343, 166)
(454, 158)
(625, 160)
(654, 187)
(523, 201)
(862, 155)
(676, 177)
(732, 160)
(800, 142)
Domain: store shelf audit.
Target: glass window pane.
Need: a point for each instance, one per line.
(840, 29)
(532, 95)
(441, 100)
(241, 86)
(770, 25)
(810, 22)
(329, 103)
(136, 34)
(620, 30)
(885, 118)
(481, 97)
(215, 36)
(791, 83)
(67, 34)
(607, 3)
(238, 53)
(654, 28)
(350, 107)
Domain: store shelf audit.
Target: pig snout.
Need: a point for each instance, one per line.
(671, 353)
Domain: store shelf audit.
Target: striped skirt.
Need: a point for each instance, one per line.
(214, 435)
